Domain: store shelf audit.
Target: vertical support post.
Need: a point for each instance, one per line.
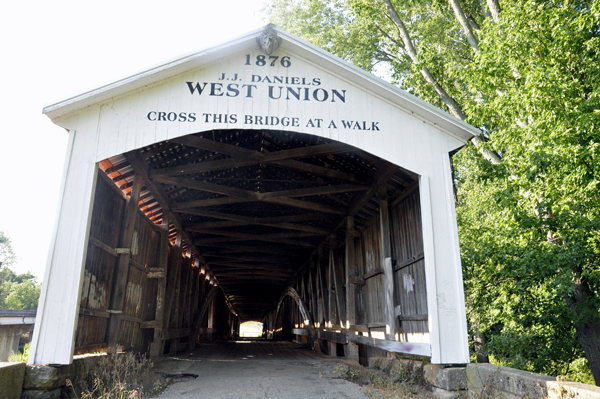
(122, 272)
(172, 281)
(386, 257)
(156, 348)
(340, 297)
(330, 297)
(350, 255)
(350, 273)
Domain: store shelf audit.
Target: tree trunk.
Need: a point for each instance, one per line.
(588, 332)
(464, 22)
(494, 7)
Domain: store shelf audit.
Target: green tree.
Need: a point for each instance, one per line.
(528, 74)
(7, 256)
(17, 291)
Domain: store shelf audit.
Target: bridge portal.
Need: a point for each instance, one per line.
(254, 181)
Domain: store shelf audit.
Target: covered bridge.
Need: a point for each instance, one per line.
(263, 179)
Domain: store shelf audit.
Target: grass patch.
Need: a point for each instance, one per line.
(123, 375)
(405, 381)
(22, 356)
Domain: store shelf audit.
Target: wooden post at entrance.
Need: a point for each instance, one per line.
(338, 281)
(122, 272)
(172, 284)
(350, 255)
(163, 258)
(350, 274)
(388, 270)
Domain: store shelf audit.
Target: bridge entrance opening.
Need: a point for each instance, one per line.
(191, 238)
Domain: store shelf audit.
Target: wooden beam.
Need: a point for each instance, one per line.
(156, 349)
(279, 222)
(243, 157)
(338, 273)
(232, 237)
(258, 249)
(282, 197)
(122, 270)
(321, 171)
(350, 260)
(141, 167)
(386, 258)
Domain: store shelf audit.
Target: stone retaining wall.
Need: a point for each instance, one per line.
(486, 380)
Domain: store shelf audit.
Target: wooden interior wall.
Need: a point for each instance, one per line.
(101, 261)
(323, 288)
(407, 249)
(162, 295)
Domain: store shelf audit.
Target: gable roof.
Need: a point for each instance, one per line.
(189, 61)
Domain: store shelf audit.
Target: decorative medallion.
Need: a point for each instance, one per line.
(269, 41)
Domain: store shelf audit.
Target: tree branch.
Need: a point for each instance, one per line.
(464, 22)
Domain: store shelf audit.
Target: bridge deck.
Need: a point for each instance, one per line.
(256, 369)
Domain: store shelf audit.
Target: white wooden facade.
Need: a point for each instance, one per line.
(300, 88)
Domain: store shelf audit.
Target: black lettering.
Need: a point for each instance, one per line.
(374, 126)
(335, 93)
(214, 88)
(232, 88)
(192, 117)
(196, 87)
(162, 116)
(291, 91)
(347, 124)
(271, 92)
(365, 126)
(249, 91)
(150, 117)
(316, 95)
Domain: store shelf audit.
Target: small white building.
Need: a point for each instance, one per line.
(316, 198)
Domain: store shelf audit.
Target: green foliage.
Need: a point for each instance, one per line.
(529, 227)
(7, 256)
(17, 291)
(21, 296)
(21, 356)
(579, 370)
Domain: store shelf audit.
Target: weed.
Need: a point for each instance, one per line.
(122, 375)
(21, 356)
